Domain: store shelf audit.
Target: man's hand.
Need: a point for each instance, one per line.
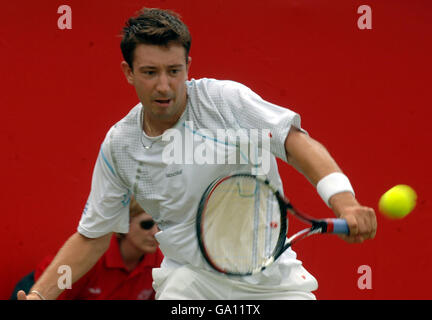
(361, 220)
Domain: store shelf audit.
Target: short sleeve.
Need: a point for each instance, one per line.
(252, 112)
(107, 207)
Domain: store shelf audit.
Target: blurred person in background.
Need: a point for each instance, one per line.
(124, 272)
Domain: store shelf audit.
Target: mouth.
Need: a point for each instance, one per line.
(163, 102)
(153, 244)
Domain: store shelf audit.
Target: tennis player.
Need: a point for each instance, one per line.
(134, 160)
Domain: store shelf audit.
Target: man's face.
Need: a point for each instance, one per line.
(159, 75)
(142, 239)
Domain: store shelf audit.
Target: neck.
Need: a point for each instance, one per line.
(155, 126)
(130, 254)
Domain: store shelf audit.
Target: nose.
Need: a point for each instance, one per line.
(163, 85)
(154, 230)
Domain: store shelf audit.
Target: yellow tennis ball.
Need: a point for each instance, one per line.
(397, 202)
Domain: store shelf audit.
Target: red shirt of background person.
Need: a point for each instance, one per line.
(124, 272)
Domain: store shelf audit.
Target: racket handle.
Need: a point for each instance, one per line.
(339, 226)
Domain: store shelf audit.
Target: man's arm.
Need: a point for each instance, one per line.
(79, 253)
(313, 160)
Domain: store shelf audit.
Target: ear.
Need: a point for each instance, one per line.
(189, 62)
(127, 72)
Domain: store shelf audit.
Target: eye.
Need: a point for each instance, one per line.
(174, 71)
(149, 73)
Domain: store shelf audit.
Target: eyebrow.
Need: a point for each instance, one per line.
(153, 67)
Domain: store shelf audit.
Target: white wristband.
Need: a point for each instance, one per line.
(332, 184)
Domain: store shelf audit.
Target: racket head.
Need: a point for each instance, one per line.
(241, 224)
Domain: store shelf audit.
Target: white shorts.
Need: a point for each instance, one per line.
(190, 283)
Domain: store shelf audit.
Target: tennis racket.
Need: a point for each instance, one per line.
(242, 224)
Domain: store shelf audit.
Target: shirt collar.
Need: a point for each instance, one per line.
(114, 259)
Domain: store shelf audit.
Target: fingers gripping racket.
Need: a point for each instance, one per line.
(242, 224)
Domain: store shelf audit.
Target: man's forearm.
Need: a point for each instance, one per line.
(315, 162)
(80, 254)
(309, 157)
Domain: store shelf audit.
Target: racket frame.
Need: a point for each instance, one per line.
(317, 225)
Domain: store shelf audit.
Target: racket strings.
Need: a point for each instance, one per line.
(241, 225)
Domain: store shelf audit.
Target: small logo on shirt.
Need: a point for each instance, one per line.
(145, 294)
(95, 290)
(85, 208)
(173, 174)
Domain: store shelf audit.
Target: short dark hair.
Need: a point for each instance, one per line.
(154, 26)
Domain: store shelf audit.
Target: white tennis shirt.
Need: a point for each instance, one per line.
(168, 174)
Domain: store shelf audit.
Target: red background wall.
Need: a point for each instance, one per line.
(363, 93)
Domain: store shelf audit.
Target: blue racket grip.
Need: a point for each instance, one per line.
(340, 226)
